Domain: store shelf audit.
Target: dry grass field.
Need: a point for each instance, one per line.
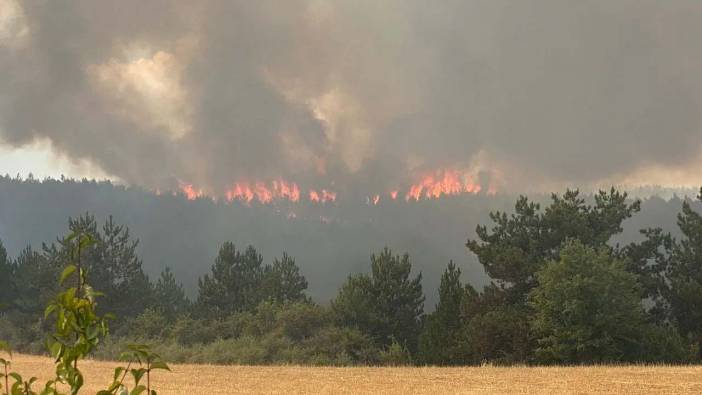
(474, 380)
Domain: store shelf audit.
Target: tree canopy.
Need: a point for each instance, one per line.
(387, 304)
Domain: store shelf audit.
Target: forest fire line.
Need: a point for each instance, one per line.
(443, 183)
(276, 190)
(439, 184)
(322, 196)
(188, 190)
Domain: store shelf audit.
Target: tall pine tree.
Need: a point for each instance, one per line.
(440, 339)
(387, 304)
(233, 284)
(169, 296)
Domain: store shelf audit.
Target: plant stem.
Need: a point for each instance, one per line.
(80, 276)
(7, 382)
(80, 283)
(129, 365)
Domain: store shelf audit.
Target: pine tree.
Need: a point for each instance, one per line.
(684, 275)
(7, 283)
(387, 304)
(233, 284)
(520, 244)
(282, 281)
(111, 262)
(169, 296)
(439, 342)
(587, 308)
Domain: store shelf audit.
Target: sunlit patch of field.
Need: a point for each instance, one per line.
(207, 379)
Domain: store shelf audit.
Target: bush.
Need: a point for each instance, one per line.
(299, 321)
(148, 325)
(395, 355)
(587, 308)
(25, 332)
(501, 336)
(188, 331)
(341, 346)
(663, 344)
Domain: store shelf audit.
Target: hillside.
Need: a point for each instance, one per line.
(329, 241)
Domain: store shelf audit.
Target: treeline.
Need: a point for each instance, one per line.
(560, 292)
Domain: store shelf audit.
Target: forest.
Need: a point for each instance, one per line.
(561, 288)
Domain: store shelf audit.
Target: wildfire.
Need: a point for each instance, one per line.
(189, 191)
(322, 196)
(264, 193)
(442, 183)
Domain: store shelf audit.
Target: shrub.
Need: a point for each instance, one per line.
(188, 331)
(148, 325)
(395, 355)
(78, 329)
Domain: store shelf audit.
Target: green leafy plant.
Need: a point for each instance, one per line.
(78, 329)
(4, 375)
(20, 386)
(147, 360)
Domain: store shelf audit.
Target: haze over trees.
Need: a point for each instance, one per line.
(561, 289)
(328, 241)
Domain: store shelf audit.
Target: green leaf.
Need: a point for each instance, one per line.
(118, 372)
(138, 390)
(49, 309)
(138, 374)
(160, 365)
(70, 269)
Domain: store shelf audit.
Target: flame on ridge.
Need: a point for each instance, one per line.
(434, 185)
(442, 183)
(190, 192)
(264, 193)
(322, 196)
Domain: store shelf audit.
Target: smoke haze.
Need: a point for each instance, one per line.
(362, 97)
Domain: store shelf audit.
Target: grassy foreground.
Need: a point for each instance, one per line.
(366, 380)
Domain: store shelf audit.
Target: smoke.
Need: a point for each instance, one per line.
(357, 95)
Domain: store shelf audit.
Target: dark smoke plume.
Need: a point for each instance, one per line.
(358, 95)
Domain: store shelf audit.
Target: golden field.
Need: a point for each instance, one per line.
(383, 380)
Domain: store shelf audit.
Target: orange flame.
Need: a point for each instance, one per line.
(264, 193)
(189, 191)
(442, 183)
(323, 196)
(314, 196)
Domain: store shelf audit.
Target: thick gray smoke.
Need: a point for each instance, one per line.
(356, 94)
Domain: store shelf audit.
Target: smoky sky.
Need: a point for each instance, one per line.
(355, 94)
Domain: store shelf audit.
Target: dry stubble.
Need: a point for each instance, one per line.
(376, 380)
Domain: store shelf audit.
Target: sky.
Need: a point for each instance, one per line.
(361, 98)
